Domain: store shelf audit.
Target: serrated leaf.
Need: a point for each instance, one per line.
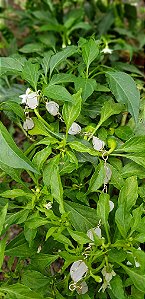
(125, 91)
(57, 58)
(129, 193)
(31, 73)
(88, 86)
(82, 148)
(97, 179)
(2, 217)
(32, 48)
(137, 279)
(20, 291)
(10, 154)
(11, 65)
(90, 51)
(103, 207)
(135, 144)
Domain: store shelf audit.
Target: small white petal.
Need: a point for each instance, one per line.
(128, 263)
(82, 288)
(48, 205)
(137, 265)
(98, 144)
(74, 129)
(96, 230)
(108, 174)
(78, 270)
(111, 204)
(28, 124)
(39, 248)
(52, 107)
(107, 50)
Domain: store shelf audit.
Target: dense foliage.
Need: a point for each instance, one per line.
(72, 150)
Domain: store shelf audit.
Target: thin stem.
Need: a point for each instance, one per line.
(32, 177)
(107, 232)
(97, 127)
(124, 117)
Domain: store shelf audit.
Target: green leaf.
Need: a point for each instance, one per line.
(88, 86)
(62, 78)
(133, 145)
(109, 108)
(41, 261)
(15, 107)
(39, 128)
(123, 220)
(129, 193)
(20, 291)
(45, 61)
(2, 217)
(125, 91)
(58, 93)
(10, 154)
(103, 207)
(90, 51)
(79, 237)
(41, 156)
(49, 169)
(11, 65)
(131, 169)
(2, 250)
(14, 193)
(57, 58)
(32, 48)
(82, 218)
(82, 148)
(97, 178)
(56, 186)
(13, 173)
(31, 73)
(117, 287)
(71, 111)
(34, 280)
(137, 279)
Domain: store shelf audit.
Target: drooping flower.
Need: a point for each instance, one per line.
(74, 129)
(111, 204)
(98, 144)
(107, 50)
(92, 231)
(108, 174)
(52, 107)
(82, 288)
(28, 124)
(107, 277)
(30, 98)
(78, 270)
(48, 205)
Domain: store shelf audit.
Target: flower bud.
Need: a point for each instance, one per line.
(28, 124)
(98, 144)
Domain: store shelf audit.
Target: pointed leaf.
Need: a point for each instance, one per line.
(31, 73)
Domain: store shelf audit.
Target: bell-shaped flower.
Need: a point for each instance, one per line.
(28, 124)
(78, 270)
(107, 50)
(108, 174)
(98, 144)
(82, 288)
(52, 107)
(111, 205)
(92, 231)
(107, 275)
(74, 129)
(30, 98)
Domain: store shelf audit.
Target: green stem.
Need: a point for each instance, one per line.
(32, 177)
(97, 127)
(107, 232)
(124, 117)
(47, 125)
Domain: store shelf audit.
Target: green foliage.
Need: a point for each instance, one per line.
(72, 158)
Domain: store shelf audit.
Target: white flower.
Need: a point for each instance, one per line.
(30, 98)
(78, 270)
(98, 144)
(39, 249)
(82, 288)
(111, 204)
(74, 129)
(28, 124)
(137, 264)
(52, 107)
(108, 174)
(48, 205)
(107, 50)
(96, 230)
(107, 278)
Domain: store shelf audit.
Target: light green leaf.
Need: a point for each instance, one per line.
(56, 186)
(45, 61)
(2, 217)
(11, 65)
(82, 148)
(31, 73)
(13, 173)
(90, 51)
(81, 217)
(32, 48)
(10, 154)
(14, 193)
(125, 91)
(123, 220)
(137, 279)
(103, 207)
(57, 58)
(20, 291)
(79, 237)
(117, 287)
(49, 169)
(129, 193)
(71, 111)
(34, 280)
(2, 250)
(109, 108)
(41, 156)
(88, 86)
(62, 78)
(58, 93)
(97, 179)
(133, 145)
